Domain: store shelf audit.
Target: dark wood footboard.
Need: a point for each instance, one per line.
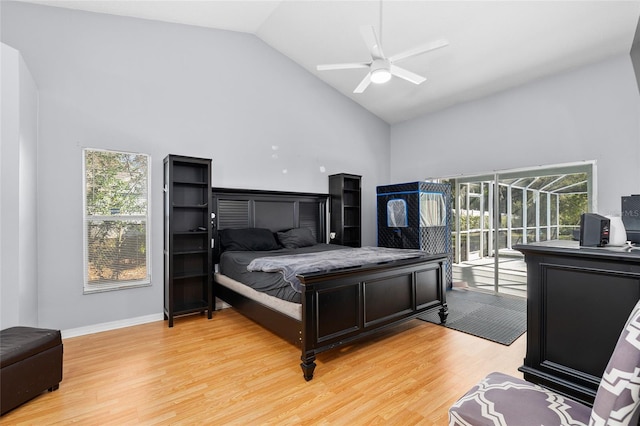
(344, 306)
(341, 307)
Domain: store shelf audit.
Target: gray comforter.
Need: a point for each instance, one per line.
(293, 265)
(233, 264)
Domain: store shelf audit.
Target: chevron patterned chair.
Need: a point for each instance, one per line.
(500, 399)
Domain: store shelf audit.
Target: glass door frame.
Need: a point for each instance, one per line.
(493, 180)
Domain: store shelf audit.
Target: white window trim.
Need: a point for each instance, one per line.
(89, 288)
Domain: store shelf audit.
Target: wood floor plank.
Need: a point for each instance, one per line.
(229, 370)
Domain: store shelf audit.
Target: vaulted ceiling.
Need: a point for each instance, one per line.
(493, 45)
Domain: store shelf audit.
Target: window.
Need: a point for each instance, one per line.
(433, 210)
(397, 213)
(116, 215)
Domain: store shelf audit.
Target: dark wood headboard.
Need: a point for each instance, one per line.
(274, 210)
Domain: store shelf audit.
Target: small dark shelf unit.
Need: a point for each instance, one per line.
(188, 261)
(346, 198)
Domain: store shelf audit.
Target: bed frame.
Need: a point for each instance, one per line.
(340, 306)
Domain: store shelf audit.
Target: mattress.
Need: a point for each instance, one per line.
(233, 264)
(294, 310)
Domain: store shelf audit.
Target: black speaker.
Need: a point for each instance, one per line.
(631, 217)
(594, 230)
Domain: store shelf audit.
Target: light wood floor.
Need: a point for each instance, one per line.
(229, 370)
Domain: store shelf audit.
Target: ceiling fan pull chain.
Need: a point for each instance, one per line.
(380, 23)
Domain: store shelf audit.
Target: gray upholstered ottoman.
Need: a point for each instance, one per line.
(30, 363)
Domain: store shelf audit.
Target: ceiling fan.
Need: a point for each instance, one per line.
(382, 68)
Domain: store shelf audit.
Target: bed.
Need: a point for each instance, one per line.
(334, 307)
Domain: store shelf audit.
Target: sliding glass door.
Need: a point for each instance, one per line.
(495, 212)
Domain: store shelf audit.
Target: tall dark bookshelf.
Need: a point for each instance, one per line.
(344, 190)
(188, 261)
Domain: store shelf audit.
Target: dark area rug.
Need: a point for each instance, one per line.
(501, 319)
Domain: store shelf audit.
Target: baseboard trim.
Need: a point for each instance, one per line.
(113, 325)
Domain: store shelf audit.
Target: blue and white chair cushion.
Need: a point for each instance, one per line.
(500, 399)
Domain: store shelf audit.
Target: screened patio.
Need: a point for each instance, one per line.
(493, 213)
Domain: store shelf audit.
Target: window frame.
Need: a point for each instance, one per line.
(88, 287)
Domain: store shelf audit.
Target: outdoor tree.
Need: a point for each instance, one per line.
(116, 204)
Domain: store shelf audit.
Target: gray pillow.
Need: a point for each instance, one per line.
(296, 238)
(248, 239)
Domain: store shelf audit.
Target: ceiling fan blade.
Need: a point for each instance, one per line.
(363, 84)
(372, 42)
(428, 47)
(406, 75)
(345, 66)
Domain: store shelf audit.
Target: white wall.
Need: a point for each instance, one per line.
(18, 173)
(592, 113)
(635, 54)
(129, 84)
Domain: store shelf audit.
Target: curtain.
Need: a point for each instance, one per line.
(432, 209)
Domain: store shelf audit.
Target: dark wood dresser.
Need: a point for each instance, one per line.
(578, 300)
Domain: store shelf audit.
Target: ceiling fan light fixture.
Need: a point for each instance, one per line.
(380, 72)
(380, 76)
